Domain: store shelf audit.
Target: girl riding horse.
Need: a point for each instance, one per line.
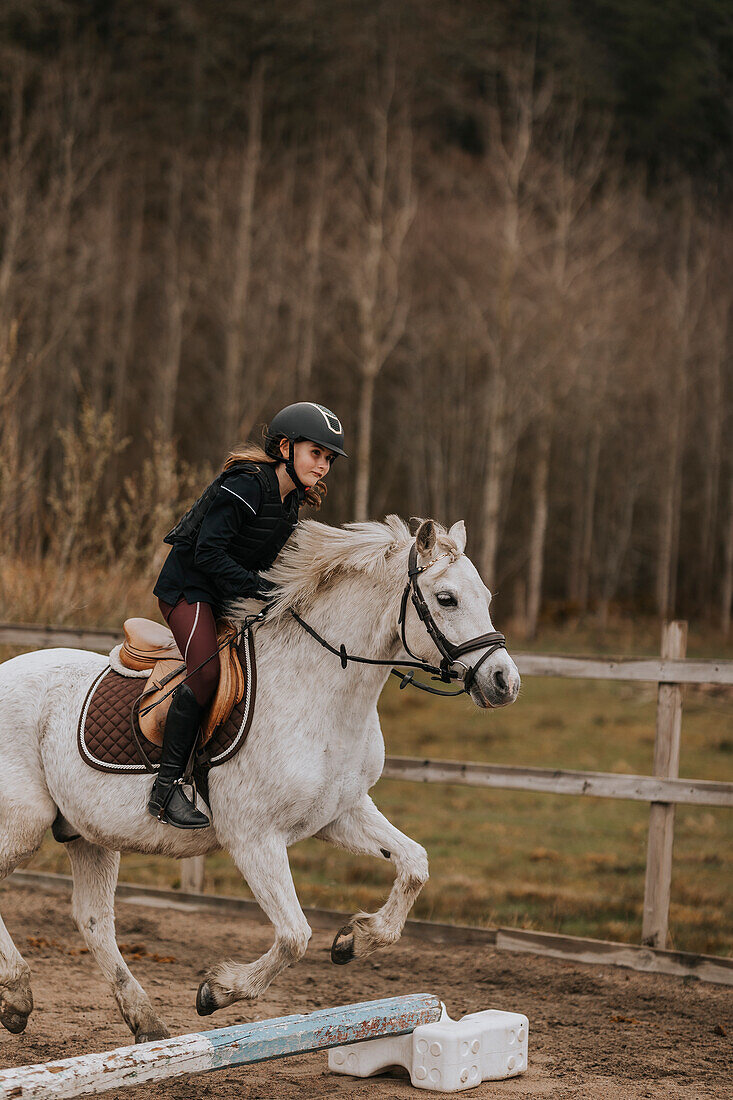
(236, 528)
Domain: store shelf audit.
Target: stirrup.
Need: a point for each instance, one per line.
(187, 815)
(180, 782)
(166, 797)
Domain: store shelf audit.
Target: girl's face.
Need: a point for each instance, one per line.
(312, 460)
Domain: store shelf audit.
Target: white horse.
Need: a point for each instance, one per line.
(314, 749)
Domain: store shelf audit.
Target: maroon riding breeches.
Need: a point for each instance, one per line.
(194, 629)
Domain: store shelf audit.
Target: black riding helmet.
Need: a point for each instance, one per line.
(304, 420)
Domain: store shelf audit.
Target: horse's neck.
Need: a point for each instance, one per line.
(353, 612)
(360, 616)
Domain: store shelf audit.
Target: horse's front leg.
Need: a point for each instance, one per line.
(365, 830)
(265, 867)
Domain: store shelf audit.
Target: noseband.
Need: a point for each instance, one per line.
(450, 651)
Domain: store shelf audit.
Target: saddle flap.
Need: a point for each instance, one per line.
(166, 676)
(230, 688)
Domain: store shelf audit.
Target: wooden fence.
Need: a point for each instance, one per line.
(663, 790)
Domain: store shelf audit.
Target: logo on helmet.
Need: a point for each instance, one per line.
(332, 421)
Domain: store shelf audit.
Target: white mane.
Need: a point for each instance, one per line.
(316, 555)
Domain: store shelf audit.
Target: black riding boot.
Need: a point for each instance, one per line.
(167, 799)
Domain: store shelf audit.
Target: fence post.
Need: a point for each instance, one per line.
(661, 814)
(192, 875)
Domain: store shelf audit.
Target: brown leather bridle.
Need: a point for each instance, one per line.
(450, 651)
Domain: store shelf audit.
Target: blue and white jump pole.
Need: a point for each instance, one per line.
(239, 1045)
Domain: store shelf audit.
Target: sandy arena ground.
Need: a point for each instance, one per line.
(595, 1032)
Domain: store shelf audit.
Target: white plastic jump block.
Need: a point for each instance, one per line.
(447, 1056)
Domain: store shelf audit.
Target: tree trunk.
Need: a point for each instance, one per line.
(368, 380)
(669, 520)
(242, 263)
(616, 550)
(711, 487)
(61, 309)
(577, 520)
(102, 352)
(175, 296)
(15, 195)
(726, 589)
(540, 481)
(309, 301)
(367, 302)
(494, 476)
(589, 502)
(519, 608)
(129, 288)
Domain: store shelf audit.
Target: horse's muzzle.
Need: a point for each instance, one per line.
(498, 689)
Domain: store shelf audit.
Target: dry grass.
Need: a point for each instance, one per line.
(90, 555)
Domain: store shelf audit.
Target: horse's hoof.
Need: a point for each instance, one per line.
(205, 1000)
(152, 1036)
(342, 948)
(16, 1005)
(15, 1022)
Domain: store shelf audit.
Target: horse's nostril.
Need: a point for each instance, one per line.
(500, 680)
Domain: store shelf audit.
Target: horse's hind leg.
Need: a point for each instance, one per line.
(22, 826)
(363, 829)
(95, 876)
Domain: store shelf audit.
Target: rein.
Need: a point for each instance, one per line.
(244, 627)
(406, 678)
(449, 651)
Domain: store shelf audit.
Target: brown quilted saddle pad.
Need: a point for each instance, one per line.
(105, 739)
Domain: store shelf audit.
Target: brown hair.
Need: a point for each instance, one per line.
(254, 452)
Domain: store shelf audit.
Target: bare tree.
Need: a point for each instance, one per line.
(377, 219)
(240, 250)
(16, 183)
(129, 275)
(711, 371)
(568, 265)
(309, 289)
(272, 315)
(176, 292)
(726, 586)
(510, 116)
(684, 286)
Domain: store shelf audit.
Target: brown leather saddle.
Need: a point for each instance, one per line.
(114, 735)
(147, 644)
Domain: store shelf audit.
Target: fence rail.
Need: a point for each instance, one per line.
(637, 788)
(654, 670)
(663, 790)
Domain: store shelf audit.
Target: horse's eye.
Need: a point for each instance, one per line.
(445, 599)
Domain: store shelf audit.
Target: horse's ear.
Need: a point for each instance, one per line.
(425, 537)
(458, 534)
(413, 524)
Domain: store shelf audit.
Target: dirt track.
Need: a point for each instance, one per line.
(595, 1032)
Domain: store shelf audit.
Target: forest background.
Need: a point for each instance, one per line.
(495, 238)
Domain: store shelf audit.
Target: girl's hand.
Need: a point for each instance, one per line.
(264, 589)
